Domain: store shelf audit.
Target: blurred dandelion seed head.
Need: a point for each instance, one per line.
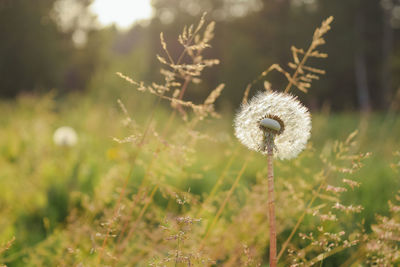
(293, 117)
(65, 136)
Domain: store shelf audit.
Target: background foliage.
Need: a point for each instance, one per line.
(190, 193)
(38, 52)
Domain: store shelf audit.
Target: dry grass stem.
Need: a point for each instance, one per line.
(221, 208)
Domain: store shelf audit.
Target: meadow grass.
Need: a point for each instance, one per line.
(42, 185)
(162, 187)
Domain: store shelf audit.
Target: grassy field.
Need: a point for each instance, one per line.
(187, 194)
(157, 180)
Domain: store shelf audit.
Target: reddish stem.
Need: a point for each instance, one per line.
(271, 204)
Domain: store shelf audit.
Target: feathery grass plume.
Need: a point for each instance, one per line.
(293, 117)
(383, 246)
(178, 76)
(302, 75)
(335, 230)
(65, 136)
(179, 231)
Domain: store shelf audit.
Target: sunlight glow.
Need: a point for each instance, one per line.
(121, 12)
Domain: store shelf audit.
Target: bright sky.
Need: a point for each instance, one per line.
(121, 12)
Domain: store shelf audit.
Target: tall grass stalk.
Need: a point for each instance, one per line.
(219, 182)
(136, 200)
(122, 193)
(186, 39)
(299, 221)
(222, 207)
(137, 221)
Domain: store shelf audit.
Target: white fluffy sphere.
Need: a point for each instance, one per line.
(65, 136)
(287, 110)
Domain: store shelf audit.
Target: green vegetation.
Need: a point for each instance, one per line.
(43, 187)
(157, 177)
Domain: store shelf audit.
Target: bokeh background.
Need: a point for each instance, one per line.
(70, 46)
(58, 64)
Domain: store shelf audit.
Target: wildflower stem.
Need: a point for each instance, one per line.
(271, 201)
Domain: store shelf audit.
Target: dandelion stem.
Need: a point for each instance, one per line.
(271, 201)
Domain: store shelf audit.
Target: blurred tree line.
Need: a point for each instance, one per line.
(41, 46)
(36, 53)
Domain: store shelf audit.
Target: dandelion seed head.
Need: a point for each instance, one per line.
(65, 136)
(294, 118)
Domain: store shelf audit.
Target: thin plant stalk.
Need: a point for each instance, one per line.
(177, 252)
(324, 255)
(140, 189)
(221, 208)
(142, 211)
(355, 257)
(299, 221)
(219, 181)
(271, 202)
(223, 175)
(122, 193)
(165, 130)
